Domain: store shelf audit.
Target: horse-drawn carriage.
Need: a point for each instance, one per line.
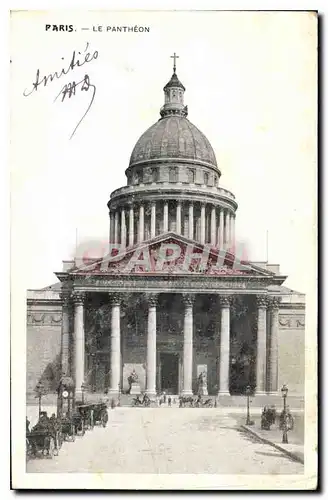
(145, 401)
(67, 431)
(42, 442)
(193, 402)
(100, 415)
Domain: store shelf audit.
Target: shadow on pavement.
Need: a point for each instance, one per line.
(249, 437)
(268, 454)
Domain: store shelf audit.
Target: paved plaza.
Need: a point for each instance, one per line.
(167, 441)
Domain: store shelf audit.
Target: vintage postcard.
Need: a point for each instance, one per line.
(164, 242)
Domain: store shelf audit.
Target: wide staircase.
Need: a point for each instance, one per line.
(257, 401)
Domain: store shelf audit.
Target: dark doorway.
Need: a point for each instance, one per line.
(169, 373)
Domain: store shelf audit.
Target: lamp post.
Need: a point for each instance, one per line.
(284, 392)
(39, 391)
(248, 394)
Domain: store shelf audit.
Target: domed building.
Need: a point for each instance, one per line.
(170, 307)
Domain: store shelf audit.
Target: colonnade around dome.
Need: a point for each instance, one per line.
(205, 223)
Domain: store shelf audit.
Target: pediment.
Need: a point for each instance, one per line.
(170, 254)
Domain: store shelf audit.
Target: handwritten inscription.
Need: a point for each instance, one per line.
(77, 60)
(69, 90)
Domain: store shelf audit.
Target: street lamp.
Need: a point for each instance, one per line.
(83, 389)
(39, 391)
(248, 394)
(284, 392)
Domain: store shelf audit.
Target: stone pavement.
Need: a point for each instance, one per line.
(295, 446)
(168, 441)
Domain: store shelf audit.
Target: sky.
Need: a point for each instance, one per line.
(250, 83)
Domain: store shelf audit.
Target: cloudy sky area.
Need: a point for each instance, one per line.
(250, 83)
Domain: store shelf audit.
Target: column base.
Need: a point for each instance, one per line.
(186, 392)
(113, 392)
(78, 396)
(151, 393)
(273, 393)
(224, 393)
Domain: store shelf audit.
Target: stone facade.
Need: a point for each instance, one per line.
(170, 301)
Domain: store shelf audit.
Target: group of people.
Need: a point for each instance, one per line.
(44, 423)
(49, 426)
(163, 399)
(269, 416)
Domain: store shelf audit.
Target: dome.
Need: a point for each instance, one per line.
(173, 137)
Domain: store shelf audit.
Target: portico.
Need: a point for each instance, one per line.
(124, 321)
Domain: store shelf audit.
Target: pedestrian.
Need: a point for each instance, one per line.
(169, 400)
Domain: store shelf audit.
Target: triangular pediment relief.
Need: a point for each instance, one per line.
(169, 254)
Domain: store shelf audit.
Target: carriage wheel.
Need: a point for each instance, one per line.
(51, 449)
(46, 447)
(29, 449)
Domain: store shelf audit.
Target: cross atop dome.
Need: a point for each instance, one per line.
(174, 57)
(174, 92)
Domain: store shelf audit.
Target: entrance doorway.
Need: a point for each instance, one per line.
(169, 365)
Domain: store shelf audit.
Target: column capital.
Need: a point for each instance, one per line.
(261, 301)
(273, 302)
(188, 299)
(65, 297)
(152, 299)
(115, 299)
(78, 298)
(225, 300)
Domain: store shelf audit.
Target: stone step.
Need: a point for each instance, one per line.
(258, 401)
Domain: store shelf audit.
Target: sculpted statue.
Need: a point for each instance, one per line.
(202, 382)
(132, 379)
(202, 378)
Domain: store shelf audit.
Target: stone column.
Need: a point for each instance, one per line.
(111, 227)
(187, 344)
(191, 221)
(221, 229)
(141, 233)
(202, 223)
(224, 360)
(261, 345)
(115, 347)
(166, 217)
(273, 345)
(213, 226)
(230, 230)
(116, 227)
(123, 230)
(153, 220)
(233, 236)
(78, 299)
(226, 230)
(65, 368)
(131, 227)
(151, 345)
(179, 217)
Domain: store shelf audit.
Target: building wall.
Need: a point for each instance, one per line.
(44, 337)
(43, 346)
(291, 370)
